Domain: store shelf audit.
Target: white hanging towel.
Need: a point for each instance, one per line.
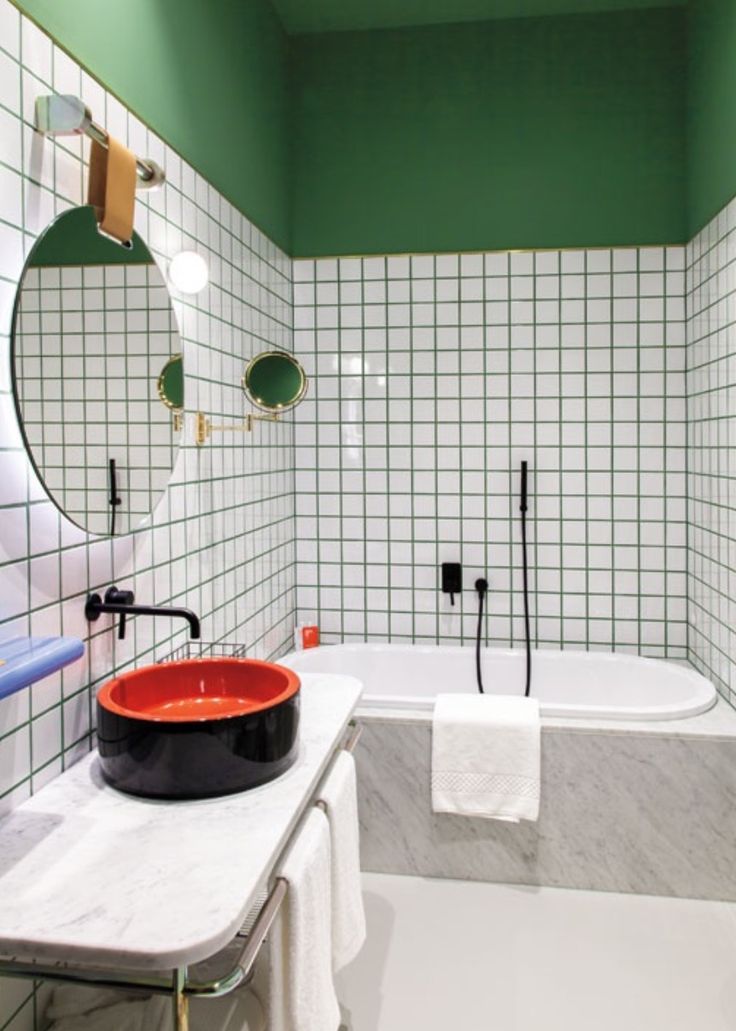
(301, 992)
(486, 756)
(339, 793)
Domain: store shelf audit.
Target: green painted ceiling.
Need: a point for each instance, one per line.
(339, 15)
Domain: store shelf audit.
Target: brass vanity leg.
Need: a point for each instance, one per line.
(180, 1000)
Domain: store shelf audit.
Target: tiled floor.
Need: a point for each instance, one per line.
(459, 956)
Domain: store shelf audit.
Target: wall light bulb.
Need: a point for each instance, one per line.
(188, 272)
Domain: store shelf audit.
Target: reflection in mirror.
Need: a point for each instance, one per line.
(171, 384)
(274, 381)
(93, 332)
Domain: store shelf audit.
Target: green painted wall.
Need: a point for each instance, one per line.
(341, 15)
(533, 132)
(549, 132)
(211, 79)
(711, 110)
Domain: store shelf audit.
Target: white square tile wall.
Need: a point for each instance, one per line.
(222, 539)
(711, 390)
(434, 376)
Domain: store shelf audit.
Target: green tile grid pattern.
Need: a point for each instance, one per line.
(711, 390)
(434, 376)
(222, 539)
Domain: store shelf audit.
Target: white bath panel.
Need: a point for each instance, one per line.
(443, 955)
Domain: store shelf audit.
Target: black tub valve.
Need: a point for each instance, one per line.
(452, 579)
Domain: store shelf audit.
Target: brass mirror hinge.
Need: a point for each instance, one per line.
(203, 428)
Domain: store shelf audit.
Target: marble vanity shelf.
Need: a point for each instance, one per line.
(97, 879)
(24, 660)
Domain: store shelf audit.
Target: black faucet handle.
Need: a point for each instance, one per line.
(115, 597)
(93, 608)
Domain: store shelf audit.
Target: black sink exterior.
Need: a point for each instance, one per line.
(197, 759)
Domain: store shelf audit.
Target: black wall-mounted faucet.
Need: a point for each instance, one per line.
(120, 603)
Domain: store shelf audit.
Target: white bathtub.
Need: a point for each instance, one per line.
(583, 685)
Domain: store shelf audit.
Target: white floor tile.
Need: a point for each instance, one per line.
(444, 955)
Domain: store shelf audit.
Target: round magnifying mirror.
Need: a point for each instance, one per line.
(171, 383)
(274, 381)
(93, 335)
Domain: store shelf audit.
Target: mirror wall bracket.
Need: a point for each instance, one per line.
(203, 427)
(67, 115)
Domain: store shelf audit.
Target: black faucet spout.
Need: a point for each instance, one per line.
(121, 603)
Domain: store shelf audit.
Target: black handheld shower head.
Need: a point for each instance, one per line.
(523, 507)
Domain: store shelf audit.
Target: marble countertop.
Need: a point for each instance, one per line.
(89, 876)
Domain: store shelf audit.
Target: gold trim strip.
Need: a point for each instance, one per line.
(492, 250)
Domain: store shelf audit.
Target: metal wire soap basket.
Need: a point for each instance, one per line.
(206, 649)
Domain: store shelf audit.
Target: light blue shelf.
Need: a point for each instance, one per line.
(28, 659)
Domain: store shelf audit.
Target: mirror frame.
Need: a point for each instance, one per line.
(258, 402)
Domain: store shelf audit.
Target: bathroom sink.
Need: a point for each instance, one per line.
(198, 728)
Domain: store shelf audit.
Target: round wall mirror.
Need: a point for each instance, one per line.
(274, 381)
(93, 338)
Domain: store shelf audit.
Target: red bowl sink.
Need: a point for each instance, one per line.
(198, 728)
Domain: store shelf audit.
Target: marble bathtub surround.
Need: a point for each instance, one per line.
(648, 812)
(717, 723)
(94, 877)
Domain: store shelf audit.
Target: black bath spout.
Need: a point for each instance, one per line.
(121, 603)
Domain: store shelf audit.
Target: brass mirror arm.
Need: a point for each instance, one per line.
(203, 427)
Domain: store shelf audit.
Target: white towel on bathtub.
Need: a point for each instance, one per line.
(486, 756)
